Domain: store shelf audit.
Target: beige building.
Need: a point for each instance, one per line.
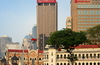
(46, 21)
(68, 22)
(85, 14)
(86, 54)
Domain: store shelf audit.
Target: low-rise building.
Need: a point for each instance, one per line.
(86, 54)
(26, 57)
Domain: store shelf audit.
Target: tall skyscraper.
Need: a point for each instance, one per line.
(85, 14)
(46, 21)
(34, 33)
(3, 41)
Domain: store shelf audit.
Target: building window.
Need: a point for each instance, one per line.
(79, 12)
(79, 6)
(57, 56)
(64, 56)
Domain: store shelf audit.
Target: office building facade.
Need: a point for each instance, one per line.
(46, 21)
(34, 33)
(3, 41)
(85, 14)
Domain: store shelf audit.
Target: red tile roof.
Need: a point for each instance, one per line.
(88, 46)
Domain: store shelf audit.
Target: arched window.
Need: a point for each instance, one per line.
(68, 54)
(57, 63)
(90, 63)
(90, 55)
(64, 56)
(61, 56)
(47, 56)
(79, 63)
(87, 56)
(75, 55)
(82, 63)
(86, 63)
(94, 64)
(98, 63)
(98, 55)
(79, 55)
(94, 55)
(83, 56)
(60, 63)
(75, 63)
(64, 63)
(68, 63)
(57, 56)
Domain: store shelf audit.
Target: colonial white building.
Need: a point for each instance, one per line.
(86, 54)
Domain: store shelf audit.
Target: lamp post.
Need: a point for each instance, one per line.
(14, 60)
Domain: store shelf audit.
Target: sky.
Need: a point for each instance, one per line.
(17, 17)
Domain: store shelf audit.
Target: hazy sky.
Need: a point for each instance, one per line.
(17, 17)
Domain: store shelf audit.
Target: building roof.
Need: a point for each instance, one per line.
(15, 50)
(4, 36)
(88, 46)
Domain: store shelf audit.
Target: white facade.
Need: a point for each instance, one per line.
(13, 46)
(86, 56)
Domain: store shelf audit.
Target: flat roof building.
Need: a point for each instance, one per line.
(85, 14)
(46, 21)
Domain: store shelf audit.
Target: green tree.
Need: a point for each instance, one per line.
(69, 39)
(93, 34)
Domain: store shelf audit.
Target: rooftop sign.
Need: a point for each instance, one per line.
(46, 1)
(82, 1)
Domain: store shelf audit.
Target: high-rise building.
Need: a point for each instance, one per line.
(34, 33)
(85, 14)
(46, 21)
(3, 41)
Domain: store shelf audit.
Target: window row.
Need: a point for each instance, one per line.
(88, 12)
(88, 6)
(85, 26)
(80, 56)
(79, 63)
(88, 16)
(88, 22)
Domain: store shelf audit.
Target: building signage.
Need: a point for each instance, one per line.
(81, 1)
(46, 1)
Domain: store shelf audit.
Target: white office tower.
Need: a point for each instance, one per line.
(34, 34)
(3, 41)
(27, 43)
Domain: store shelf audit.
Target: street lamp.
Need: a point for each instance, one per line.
(14, 60)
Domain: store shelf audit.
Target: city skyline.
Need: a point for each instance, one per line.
(19, 16)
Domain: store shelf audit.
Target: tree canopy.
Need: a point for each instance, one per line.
(94, 33)
(67, 38)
